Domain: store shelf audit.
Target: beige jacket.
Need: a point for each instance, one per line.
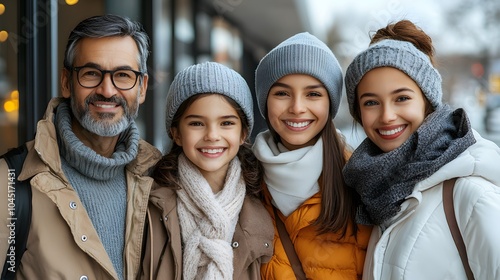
(252, 240)
(62, 242)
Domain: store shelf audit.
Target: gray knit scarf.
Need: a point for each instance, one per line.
(384, 180)
(99, 181)
(208, 221)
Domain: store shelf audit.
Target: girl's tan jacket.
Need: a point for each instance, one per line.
(252, 240)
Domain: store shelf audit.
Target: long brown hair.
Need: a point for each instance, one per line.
(338, 201)
(166, 174)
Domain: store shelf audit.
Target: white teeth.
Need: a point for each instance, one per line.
(391, 132)
(212, 151)
(299, 124)
(106, 106)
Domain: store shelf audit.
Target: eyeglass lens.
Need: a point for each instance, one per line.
(92, 77)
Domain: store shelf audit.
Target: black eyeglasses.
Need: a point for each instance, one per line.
(91, 77)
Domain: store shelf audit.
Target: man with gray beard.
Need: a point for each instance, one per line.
(88, 166)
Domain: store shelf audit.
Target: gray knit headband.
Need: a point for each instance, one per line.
(208, 77)
(401, 55)
(300, 54)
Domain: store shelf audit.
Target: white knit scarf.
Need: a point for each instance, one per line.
(291, 176)
(208, 221)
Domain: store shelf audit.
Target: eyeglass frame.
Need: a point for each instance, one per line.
(104, 72)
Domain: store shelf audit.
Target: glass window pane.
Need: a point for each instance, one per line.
(9, 96)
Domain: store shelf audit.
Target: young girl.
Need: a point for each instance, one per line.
(414, 144)
(206, 219)
(298, 87)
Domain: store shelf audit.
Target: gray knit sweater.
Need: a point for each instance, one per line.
(99, 181)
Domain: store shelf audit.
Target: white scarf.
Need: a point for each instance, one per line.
(208, 221)
(291, 176)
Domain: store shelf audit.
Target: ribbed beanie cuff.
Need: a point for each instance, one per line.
(208, 77)
(302, 53)
(401, 55)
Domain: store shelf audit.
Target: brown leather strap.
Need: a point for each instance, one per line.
(289, 249)
(449, 211)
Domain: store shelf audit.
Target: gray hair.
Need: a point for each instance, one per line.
(108, 26)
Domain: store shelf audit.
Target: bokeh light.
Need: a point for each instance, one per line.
(14, 94)
(12, 104)
(3, 36)
(71, 2)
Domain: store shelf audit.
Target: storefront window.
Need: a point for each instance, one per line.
(226, 44)
(9, 95)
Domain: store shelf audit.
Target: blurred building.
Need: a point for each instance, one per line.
(492, 118)
(33, 36)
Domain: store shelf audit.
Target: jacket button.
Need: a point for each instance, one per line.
(266, 244)
(72, 205)
(235, 244)
(84, 238)
(84, 277)
(165, 218)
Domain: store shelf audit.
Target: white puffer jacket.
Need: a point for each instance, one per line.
(417, 243)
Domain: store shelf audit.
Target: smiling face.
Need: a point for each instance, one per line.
(105, 110)
(298, 109)
(392, 107)
(210, 138)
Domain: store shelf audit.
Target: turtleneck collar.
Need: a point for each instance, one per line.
(86, 160)
(291, 176)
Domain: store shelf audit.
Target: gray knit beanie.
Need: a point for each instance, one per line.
(300, 54)
(401, 55)
(208, 77)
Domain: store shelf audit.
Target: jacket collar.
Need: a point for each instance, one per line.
(163, 198)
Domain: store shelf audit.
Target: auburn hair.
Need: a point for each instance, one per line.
(406, 30)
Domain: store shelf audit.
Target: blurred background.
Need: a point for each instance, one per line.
(466, 35)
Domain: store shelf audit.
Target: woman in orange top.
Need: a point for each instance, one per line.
(299, 87)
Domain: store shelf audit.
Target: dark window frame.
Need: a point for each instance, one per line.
(36, 62)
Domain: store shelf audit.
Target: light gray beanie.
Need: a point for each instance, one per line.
(302, 53)
(208, 77)
(401, 55)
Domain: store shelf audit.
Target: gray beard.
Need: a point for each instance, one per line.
(103, 125)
